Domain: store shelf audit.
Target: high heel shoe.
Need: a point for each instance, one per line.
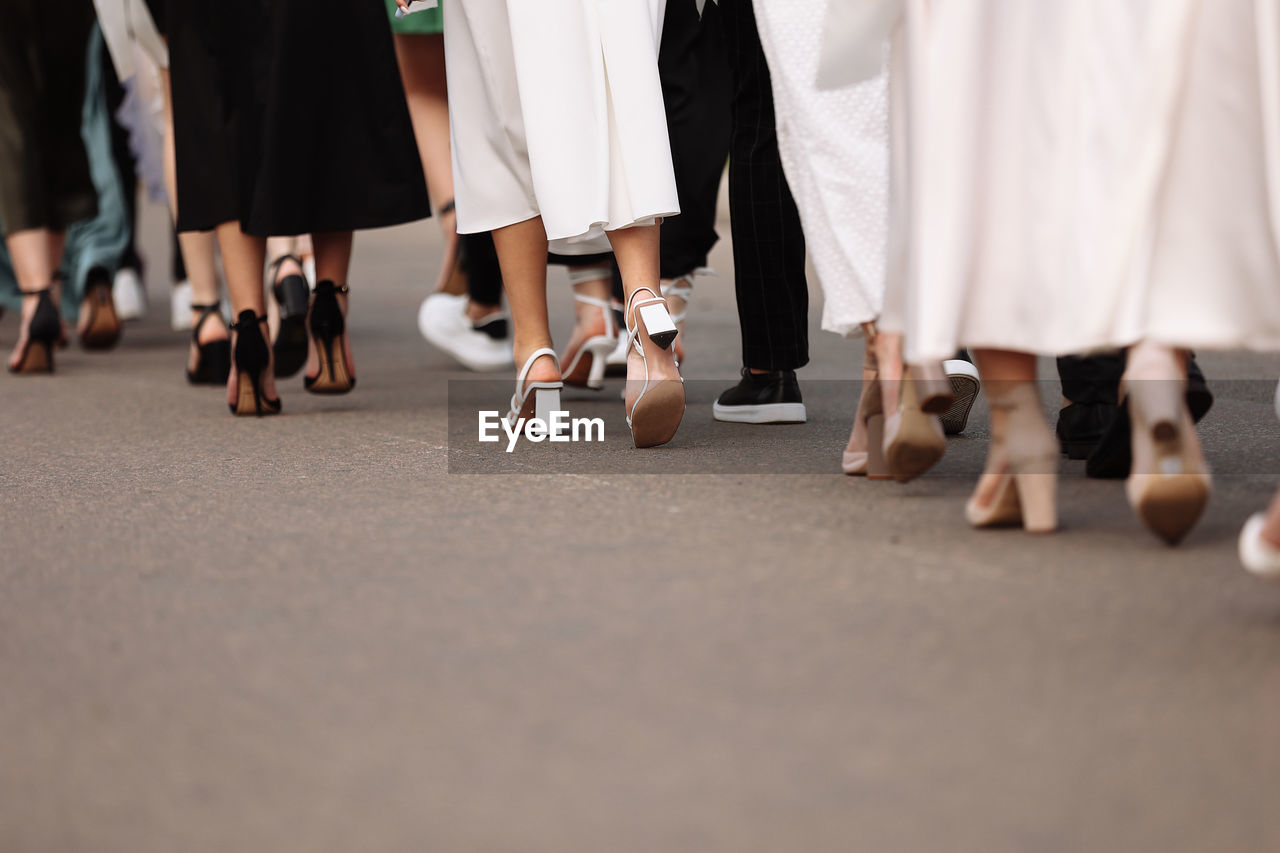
(537, 399)
(43, 333)
(1024, 459)
(870, 462)
(329, 329)
(213, 358)
(587, 366)
(292, 293)
(913, 438)
(99, 324)
(1170, 483)
(657, 412)
(252, 355)
(682, 289)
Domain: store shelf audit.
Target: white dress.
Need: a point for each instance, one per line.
(835, 152)
(556, 111)
(1083, 175)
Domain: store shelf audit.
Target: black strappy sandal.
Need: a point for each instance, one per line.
(213, 358)
(251, 359)
(292, 295)
(329, 329)
(101, 328)
(43, 333)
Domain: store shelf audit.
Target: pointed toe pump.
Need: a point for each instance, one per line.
(535, 399)
(658, 410)
(587, 364)
(213, 358)
(292, 294)
(1170, 484)
(43, 334)
(252, 357)
(329, 329)
(1019, 485)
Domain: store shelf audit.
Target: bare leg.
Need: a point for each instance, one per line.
(422, 69)
(36, 254)
(242, 258)
(870, 375)
(1000, 370)
(522, 255)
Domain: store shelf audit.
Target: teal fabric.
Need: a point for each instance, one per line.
(425, 23)
(97, 242)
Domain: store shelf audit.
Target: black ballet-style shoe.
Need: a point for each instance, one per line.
(44, 331)
(329, 329)
(213, 359)
(292, 295)
(251, 359)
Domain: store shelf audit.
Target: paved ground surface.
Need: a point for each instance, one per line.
(306, 634)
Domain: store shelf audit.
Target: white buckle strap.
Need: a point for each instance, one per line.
(605, 306)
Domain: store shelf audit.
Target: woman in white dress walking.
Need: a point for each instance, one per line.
(559, 135)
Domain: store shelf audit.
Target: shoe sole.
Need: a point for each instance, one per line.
(770, 413)
(658, 414)
(956, 418)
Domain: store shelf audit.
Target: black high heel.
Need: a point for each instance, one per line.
(328, 327)
(251, 359)
(100, 326)
(292, 295)
(213, 359)
(43, 333)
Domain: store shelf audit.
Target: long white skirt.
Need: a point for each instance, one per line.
(556, 111)
(1082, 175)
(835, 152)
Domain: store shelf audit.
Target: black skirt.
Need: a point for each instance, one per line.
(289, 116)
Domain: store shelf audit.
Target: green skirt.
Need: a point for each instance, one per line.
(424, 23)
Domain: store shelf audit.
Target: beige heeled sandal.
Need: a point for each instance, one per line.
(1170, 483)
(1024, 458)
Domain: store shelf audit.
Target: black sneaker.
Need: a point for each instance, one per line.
(1081, 426)
(762, 398)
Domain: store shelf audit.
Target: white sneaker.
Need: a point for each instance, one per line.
(129, 296)
(180, 307)
(482, 347)
(965, 385)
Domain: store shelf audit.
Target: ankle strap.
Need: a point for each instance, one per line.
(327, 285)
(273, 268)
(213, 306)
(39, 292)
(528, 365)
(604, 305)
(206, 311)
(241, 325)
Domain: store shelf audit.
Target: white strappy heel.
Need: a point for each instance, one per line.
(682, 288)
(656, 414)
(589, 362)
(545, 395)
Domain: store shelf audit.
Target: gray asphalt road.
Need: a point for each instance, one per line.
(306, 634)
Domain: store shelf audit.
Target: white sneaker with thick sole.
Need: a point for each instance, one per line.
(442, 320)
(965, 385)
(128, 295)
(180, 307)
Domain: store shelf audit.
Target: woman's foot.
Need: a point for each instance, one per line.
(678, 292)
(593, 339)
(251, 384)
(654, 394)
(1019, 483)
(331, 367)
(287, 313)
(99, 326)
(868, 419)
(209, 355)
(39, 330)
(1169, 485)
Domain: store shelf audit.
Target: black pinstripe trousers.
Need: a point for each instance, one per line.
(768, 243)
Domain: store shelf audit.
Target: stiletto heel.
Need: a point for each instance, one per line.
(537, 399)
(329, 329)
(213, 358)
(1023, 459)
(913, 438)
(587, 366)
(1169, 486)
(252, 356)
(292, 293)
(657, 412)
(43, 333)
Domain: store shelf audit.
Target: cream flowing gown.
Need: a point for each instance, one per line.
(556, 110)
(1073, 176)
